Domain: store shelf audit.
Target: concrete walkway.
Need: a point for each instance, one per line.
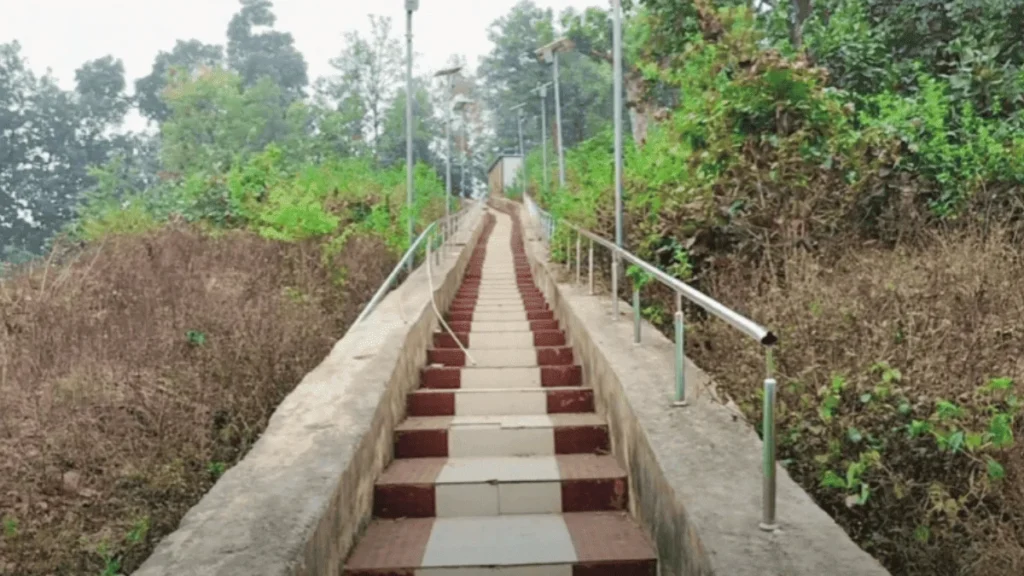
(502, 468)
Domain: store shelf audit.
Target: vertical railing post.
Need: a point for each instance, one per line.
(615, 285)
(768, 437)
(680, 352)
(636, 313)
(579, 243)
(590, 269)
(568, 257)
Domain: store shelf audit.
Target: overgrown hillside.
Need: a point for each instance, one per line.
(862, 196)
(189, 279)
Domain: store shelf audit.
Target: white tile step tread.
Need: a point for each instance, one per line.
(529, 544)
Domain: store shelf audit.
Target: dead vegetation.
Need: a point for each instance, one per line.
(897, 404)
(134, 374)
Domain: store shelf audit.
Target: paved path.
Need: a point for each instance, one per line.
(502, 468)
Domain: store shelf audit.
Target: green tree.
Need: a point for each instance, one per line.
(392, 146)
(265, 54)
(50, 139)
(186, 57)
(369, 74)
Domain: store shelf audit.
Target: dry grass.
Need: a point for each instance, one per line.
(949, 316)
(132, 375)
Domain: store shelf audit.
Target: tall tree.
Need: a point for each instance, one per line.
(511, 72)
(186, 57)
(369, 71)
(50, 139)
(265, 54)
(391, 148)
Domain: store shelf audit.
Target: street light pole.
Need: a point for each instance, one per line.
(522, 150)
(558, 120)
(449, 73)
(448, 154)
(549, 55)
(617, 65)
(543, 91)
(410, 7)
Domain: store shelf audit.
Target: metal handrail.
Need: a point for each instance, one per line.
(760, 334)
(443, 229)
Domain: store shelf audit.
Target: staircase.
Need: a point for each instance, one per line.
(502, 468)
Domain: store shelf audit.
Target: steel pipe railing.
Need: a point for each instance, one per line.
(435, 237)
(547, 224)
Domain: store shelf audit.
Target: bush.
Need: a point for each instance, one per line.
(876, 233)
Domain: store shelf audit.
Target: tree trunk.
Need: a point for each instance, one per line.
(641, 111)
(802, 11)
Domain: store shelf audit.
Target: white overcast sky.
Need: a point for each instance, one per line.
(62, 34)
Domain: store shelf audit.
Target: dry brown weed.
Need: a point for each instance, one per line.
(947, 316)
(132, 375)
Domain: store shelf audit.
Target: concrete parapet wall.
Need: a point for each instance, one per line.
(297, 502)
(694, 472)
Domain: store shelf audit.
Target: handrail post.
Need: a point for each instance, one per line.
(590, 268)
(568, 257)
(768, 436)
(680, 353)
(579, 242)
(615, 285)
(437, 252)
(636, 313)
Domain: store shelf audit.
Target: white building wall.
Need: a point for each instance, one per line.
(510, 170)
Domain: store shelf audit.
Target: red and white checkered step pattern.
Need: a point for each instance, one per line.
(502, 466)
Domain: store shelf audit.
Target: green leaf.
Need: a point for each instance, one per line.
(854, 435)
(946, 410)
(999, 384)
(865, 493)
(995, 470)
(1000, 428)
(196, 338)
(918, 428)
(922, 534)
(832, 480)
(973, 441)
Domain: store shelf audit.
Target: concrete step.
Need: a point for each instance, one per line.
(505, 435)
(471, 377)
(498, 340)
(588, 543)
(500, 401)
(502, 305)
(503, 327)
(465, 316)
(523, 357)
(492, 486)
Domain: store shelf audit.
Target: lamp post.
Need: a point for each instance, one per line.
(542, 90)
(617, 65)
(522, 151)
(549, 54)
(460, 106)
(448, 73)
(410, 7)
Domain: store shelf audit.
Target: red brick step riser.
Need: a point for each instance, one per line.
(567, 440)
(546, 338)
(466, 326)
(395, 501)
(579, 400)
(546, 356)
(462, 316)
(450, 378)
